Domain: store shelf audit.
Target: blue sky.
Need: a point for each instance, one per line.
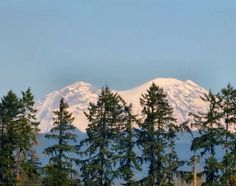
(123, 43)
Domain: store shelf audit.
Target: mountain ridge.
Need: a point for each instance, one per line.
(183, 96)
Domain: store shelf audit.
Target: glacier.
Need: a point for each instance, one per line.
(183, 96)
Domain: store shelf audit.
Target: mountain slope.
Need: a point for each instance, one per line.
(184, 97)
(77, 95)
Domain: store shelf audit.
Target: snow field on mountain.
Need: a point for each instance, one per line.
(183, 96)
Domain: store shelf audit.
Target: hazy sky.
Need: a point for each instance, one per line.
(48, 44)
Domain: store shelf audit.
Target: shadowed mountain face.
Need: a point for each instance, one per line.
(183, 96)
(183, 145)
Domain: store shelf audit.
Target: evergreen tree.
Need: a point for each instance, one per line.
(59, 170)
(100, 145)
(173, 162)
(211, 132)
(128, 160)
(27, 130)
(227, 98)
(30, 172)
(157, 132)
(18, 134)
(10, 110)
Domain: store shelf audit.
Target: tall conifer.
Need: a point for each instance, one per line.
(129, 162)
(100, 145)
(59, 170)
(227, 98)
(10, 110)
(18, 132)
(210, 137)
(27, 130)
(155, 136)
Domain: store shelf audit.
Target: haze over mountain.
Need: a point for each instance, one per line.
(183, 96)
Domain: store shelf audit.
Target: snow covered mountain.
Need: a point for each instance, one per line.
(184, 97)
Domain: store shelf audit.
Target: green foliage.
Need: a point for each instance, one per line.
(227, 98)
(108, 151)
(9, 109)
(172, 162)
(59, 170)
(212, 171)
(128, 160)
(30, 174)
(18, 130)
(104, 118)
(157, 137)
(211, 131)
(215, 129)
(27, 132)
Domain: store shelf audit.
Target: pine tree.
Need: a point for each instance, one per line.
(155, 135)
(104, 117)
(211, 133)
(59, 170)
(128, 160)
(173, 163)
(31, 170)
(227, 98)
(18, 134)
(10, 109)
(27, 130)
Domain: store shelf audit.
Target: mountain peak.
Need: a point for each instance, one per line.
(190, 82)
(183, 96)
(166, 81)
(79, 84)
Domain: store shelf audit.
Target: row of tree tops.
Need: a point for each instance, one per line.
(108, 151)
